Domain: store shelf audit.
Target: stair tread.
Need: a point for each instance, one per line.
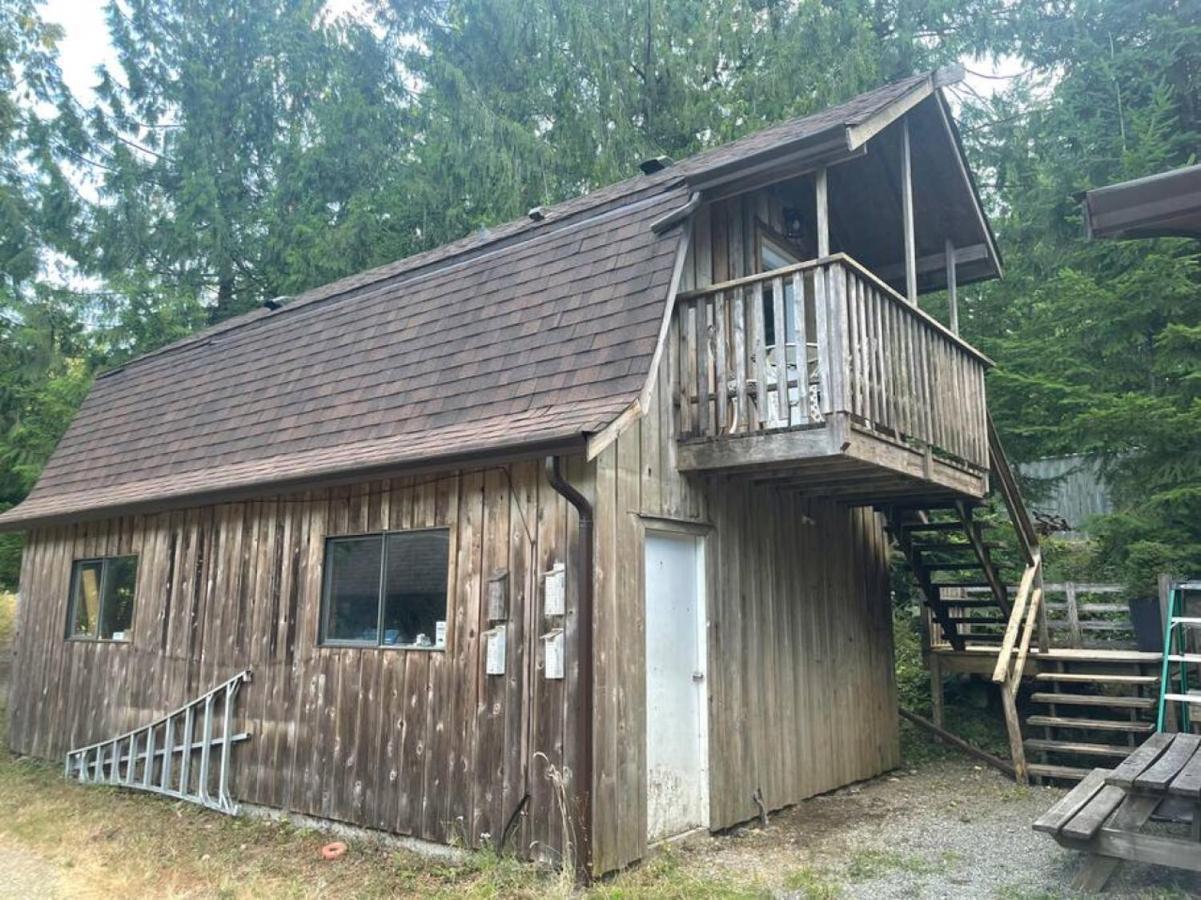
(1049, 771)
(931, 526)
(1092, 724)
(959, 584)
(1086, 678)
(1082, 748)
(1185, 657)
(1094, 700)
(969, 603)
(958, 545)
(1190, 697)
(1186, 620)
(979, 620)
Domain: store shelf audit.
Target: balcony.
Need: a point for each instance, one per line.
(820, 377)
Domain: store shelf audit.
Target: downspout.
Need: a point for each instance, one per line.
(584, 577)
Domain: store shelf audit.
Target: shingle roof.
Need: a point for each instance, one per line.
(532, 333)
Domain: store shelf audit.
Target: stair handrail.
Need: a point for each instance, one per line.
(1006, 482)
(1027, 604)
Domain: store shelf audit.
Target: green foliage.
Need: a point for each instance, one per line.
(242, 150)
(1098, 342)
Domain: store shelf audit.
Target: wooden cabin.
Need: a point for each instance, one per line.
(569, 533)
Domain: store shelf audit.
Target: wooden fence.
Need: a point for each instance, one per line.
(787, 348)
(1080, 615)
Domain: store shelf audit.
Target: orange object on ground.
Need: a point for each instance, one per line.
(334, 850)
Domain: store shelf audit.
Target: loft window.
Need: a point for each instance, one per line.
(102, 597)
(386, 590)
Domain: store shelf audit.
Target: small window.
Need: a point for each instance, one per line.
(102, 597)
(387, 590)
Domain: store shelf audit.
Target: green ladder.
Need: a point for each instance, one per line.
(1175, 650)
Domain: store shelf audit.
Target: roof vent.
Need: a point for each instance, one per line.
(275, 303)
(537, 214)
(654, 164)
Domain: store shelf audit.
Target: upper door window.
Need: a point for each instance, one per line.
(387, 589)
(774, 255)
(102, 598)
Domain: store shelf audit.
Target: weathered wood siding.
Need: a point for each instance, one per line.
(801, 691)
(415, 742)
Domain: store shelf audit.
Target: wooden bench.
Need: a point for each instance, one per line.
(1104, 813)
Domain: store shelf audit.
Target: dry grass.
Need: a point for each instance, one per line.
(98, 841)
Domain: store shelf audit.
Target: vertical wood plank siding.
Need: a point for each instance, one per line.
(801, 691)
(415, 742)
(801, 696)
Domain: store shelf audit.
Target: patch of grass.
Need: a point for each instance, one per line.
(865, 865)
(812, 885)
(664, 876)
(8, 617)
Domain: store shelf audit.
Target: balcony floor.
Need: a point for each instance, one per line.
(839, 459)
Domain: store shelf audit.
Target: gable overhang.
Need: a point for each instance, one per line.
(1163, 205)
(977, 259)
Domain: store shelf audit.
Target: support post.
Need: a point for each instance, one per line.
(907, 214)
(822, 192)
(952, 288)
(936, 697)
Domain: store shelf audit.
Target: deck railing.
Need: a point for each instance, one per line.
(788, 348)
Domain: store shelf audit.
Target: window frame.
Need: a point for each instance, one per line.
(77, 566)
(327, 576)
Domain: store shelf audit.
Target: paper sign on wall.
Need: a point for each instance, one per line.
(494, 642)
(552, 654)
(555, 591)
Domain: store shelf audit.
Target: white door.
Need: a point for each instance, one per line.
(676, 710)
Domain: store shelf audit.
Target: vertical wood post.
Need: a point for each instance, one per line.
(1073, 616)
(907, 214)
(936, 697)
(952, 287)
(821, 190)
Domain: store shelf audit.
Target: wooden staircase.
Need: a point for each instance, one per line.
(1089, 705)
(986, 599)
(949, 551)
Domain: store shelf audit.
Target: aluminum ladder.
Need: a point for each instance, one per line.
(160, 757)
(1176, 651)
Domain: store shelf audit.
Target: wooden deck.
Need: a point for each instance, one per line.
(821, 378)
(981, 659)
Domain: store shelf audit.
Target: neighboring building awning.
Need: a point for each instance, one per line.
(1164, 205)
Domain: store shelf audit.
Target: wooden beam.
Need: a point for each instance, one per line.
(934, 262)
(956, 741)
(907, 214)
(952, 287)
(821, 191)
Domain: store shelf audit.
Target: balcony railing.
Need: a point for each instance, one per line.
(789, 348)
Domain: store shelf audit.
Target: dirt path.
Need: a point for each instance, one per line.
(24, 874)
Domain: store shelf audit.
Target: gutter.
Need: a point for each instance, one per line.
(584, 700)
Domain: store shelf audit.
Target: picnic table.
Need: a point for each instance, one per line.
(1105, 813)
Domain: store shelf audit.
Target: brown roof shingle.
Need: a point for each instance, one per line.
(532, 333)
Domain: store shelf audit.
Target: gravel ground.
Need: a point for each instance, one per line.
(950, 829)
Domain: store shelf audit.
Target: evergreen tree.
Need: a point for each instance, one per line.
(42, 373)
(1097, 343)
(526, 102)
(243, 149)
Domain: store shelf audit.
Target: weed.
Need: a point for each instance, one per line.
(868, 864)
(812, 885)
